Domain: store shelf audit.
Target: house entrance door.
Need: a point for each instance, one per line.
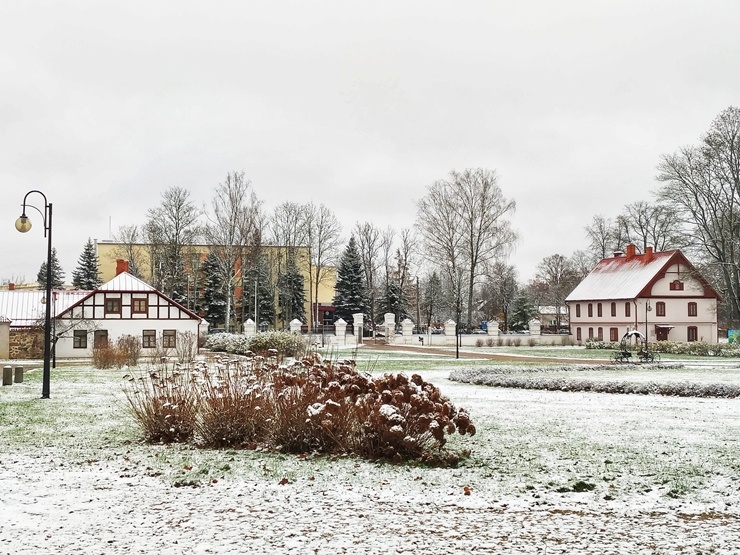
(661, 334)
(100, 338)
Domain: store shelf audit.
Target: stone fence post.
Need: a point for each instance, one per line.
(250, 328)
(359, 324)
(340, 331)
(390, 327)
(407, 329)
(295, 325)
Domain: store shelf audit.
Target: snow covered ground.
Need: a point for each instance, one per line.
(550, 472)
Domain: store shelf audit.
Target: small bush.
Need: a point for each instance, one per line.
(272, 343)
(531, 342)
(489, 342)
(126, 351)
(479, 342)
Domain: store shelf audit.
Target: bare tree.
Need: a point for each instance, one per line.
(287, 232)
(603, 234)
(555, 279)
(501, 288)
(323, 233)
(231, 222)
(171, 228)
(130, 238)
(647, 224)
(369, 246)
(464, 223)
(702, 184)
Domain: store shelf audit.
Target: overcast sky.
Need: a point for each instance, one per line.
(356, 105)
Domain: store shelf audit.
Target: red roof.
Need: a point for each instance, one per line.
(629, 276)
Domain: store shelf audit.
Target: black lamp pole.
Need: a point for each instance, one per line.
(23, 224)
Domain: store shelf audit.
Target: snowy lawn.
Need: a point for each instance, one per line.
(550, 472)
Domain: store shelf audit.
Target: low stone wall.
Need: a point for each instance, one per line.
(26, 343)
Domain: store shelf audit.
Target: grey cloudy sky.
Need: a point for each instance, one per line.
(356, 105)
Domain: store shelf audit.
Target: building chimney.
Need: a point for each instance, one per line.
(648, 253)
(630, 251)
(11, 286)
(121, 266)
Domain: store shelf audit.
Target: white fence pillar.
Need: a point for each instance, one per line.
(359, 323)
(340, 331)
(450, 332)
(250, 328)
(295, 325)
(390, 327)
(407, 330)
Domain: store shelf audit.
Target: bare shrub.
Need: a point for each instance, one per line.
(129, 349)
(479, 343)
(500, 342)
(531, 342)
(164, 403)
(105, 356)
(489, 342)
(186, 346)
(517, 342)
(231, 405)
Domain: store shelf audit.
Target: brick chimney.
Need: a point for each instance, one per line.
(648, 253)
(121, 266)
(630, 251)
(11, 287)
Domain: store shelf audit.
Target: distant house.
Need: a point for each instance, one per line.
(125, 305)
(658, 293)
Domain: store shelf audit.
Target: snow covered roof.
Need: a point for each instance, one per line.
(24, 307)
(624, 276)
(126, 282)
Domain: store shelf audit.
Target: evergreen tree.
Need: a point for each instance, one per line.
(214, 296)
(87, 274)
(395, 301)
(522, 313)
(57, 274)
(265, 313)
(292, 301)
(350, 293)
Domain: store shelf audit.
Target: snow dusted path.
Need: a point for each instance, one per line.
(99, 509)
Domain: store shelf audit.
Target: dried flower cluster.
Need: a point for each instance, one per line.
(310, 406)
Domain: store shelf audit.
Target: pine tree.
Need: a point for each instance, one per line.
(57, 274)
(523, 311)
(87, 274)
(292, 302)
(350, 293)
(265, 312)
(214, 295)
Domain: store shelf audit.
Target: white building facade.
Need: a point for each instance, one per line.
(660, 294)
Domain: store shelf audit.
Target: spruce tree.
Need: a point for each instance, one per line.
(350, 293)
(523, 311)
(57, 274)
(265, 312)
(214, 294)
(292, 295)
(87, 274)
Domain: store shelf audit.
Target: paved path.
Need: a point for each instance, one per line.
(449, 352)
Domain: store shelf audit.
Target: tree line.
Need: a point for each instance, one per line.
(453, 263)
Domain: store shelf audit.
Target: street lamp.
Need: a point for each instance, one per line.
(23, 224)
(648, 308)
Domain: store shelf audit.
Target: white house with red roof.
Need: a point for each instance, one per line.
(125, 305)
(658, 293)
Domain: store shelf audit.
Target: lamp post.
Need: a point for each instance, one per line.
(648, 308)
(23, 224)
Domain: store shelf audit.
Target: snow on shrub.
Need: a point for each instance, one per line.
(311, 405)
(282, 343)
(558, 380)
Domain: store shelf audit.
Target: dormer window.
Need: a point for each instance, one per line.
(676, 285)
